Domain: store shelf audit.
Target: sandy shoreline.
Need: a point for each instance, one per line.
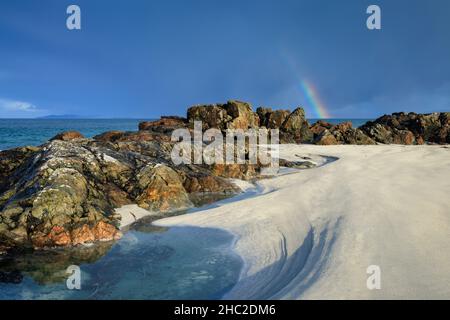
(313, 234)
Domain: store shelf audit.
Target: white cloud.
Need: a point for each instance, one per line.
(15, 105)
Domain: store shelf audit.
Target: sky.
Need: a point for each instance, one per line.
(144, 59)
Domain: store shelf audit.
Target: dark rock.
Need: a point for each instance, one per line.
(325, 138)
(272, 119)
(295, 129)
(111, 136)
(320, 126)
(212, 116)
(231, 115)
(14, 277)
(165, 124)
(409, 128)
(242, 115)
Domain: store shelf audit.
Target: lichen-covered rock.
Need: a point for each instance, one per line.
(236, 171)
(162, 189)
(64, 193)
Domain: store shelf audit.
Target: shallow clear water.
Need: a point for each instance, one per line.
(147, 263)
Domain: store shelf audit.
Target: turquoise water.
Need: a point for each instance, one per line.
(147, 263)
(21, 132)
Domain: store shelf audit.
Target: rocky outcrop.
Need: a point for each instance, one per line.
(342, 133)
(410, 128)
(68, 135)
(144, 135)
(64, 193)
(295, 129)
(162, 189)
(272, 119)
(320, 126)
(293, 126)
(325, 137)
(231, 115)
(164, 125)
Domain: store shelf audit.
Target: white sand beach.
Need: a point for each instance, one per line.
(312, 234)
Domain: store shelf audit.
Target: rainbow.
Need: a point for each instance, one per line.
(313, 99)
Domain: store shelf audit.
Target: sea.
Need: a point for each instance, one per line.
(22, 132)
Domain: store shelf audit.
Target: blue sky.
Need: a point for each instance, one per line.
(143, 59)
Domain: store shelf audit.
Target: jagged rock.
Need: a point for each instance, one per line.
(263, 114)
(357, 136)
(204, 181)
(295, 129)
(110, 136)
(320, 126)
(242, 115)
(346, 134)
(212, 116)
(343, 127)
(10, 163)
(272, 119)
(165, 125)
(326, 138)
(277, 118)
(409, 128)
(231, 115)
(68, 135)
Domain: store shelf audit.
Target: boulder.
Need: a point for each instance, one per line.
(242, 115)
(272, 119)
(211, 116)
(231, 115)
(162, 190)
(295, 129)
(320, 126)
(166, 124)
(325, 138)
(67, 136)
